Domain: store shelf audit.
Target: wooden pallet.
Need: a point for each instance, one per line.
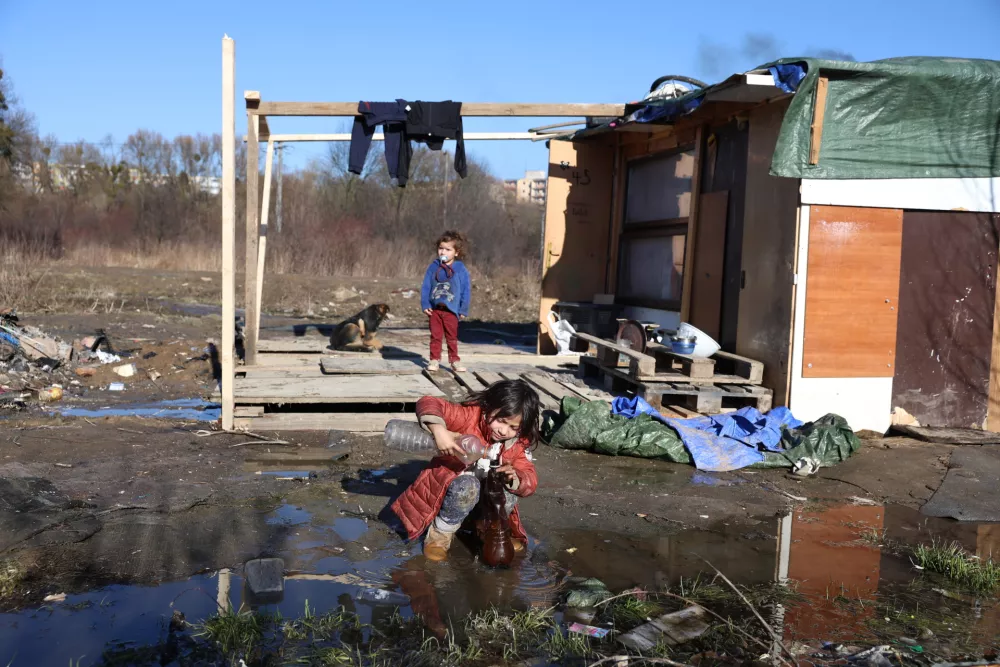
(702, 398)
(661, 364)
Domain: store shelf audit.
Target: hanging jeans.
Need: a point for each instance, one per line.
(392, 116)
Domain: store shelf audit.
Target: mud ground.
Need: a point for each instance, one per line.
(90, 501)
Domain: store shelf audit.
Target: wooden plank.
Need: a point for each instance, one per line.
(249, 411)
(547, 401)
(346, 136)
(691, 241)
(766, 281)
(488, 377)
(644, 363)
(709, 262)
(289, 373)
(313, 344)
(355, 422)
(228, 230)
(691, 366)
(447, 385)
(575, 234)
(548, 385)
(469, 381)
(993, 394)
(852, 292)
(744, 367)
(262, 249)
(496, 109)
(336, 389)
(252, 234)
(370, 366)
(819, 112)
(946, 305)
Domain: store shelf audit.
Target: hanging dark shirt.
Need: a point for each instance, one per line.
(433, 122)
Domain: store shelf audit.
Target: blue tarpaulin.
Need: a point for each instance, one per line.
(721, 442)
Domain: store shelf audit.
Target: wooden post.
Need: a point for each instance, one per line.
(692, 233)
(258, 303)
(228, 229)
(277, 203)
(819, 111)
(253, 203)
(993, 397)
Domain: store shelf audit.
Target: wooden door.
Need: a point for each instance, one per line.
(577, 225)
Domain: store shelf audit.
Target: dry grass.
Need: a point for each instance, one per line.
(21, 270)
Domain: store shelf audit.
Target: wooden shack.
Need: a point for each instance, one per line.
(843, 231)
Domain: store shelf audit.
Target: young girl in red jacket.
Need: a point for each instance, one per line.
(505, 417)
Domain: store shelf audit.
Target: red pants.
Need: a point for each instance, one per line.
(444, 324)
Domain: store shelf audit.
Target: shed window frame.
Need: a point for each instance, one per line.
(667, 227)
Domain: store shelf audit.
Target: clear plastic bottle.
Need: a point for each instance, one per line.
(407, 436)
(473, 447)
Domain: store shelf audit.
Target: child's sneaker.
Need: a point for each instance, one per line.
(434, 367)
(459, 368)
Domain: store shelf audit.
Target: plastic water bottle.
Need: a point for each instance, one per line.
(407, 436)
(473, 447)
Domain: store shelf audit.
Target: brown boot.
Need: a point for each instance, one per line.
(436, 544)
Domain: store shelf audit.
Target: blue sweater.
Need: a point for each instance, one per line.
(451, 289)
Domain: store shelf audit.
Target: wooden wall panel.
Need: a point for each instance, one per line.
(852, 292)
(709, 256)
(764, 325)
(577, 224)
(725, 168)
(946, 304)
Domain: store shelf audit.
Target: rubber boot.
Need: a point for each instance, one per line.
(436, 544)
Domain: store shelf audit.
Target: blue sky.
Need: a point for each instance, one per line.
(88, 69)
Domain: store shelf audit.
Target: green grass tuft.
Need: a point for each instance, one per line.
(952, 561)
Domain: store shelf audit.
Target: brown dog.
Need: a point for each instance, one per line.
(357, 334)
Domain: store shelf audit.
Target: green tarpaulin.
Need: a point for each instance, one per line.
(897, 118)
(592, 426)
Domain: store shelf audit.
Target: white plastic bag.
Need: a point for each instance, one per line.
(563, 332)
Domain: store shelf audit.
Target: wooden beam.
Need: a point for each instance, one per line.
(228, 229)
(262, 249)
(819, 111)
(252, 232)
(993, 397)
(341, 136)
(498, 109)
(692, 233)
(263, 132)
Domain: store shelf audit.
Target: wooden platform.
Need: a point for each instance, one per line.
(299, 384)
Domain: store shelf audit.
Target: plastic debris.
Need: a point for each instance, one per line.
(116, 386)
(589, 630)
(670, 630)
(586, 592)
(126, 371)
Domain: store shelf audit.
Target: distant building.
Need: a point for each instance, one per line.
(531, 188)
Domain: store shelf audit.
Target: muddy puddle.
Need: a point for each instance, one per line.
(188, 409)
(850, 568)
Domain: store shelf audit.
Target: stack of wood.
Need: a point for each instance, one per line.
(665, 378)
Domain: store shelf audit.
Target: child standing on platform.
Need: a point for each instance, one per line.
(445, 297)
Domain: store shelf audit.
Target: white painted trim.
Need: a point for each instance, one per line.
(933, 194)
(866, 403)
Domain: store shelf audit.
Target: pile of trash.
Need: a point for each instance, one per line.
(35, 366)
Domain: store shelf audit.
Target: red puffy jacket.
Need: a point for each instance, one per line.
(421, 502)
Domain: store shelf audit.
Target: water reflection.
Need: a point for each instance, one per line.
(833, 557)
